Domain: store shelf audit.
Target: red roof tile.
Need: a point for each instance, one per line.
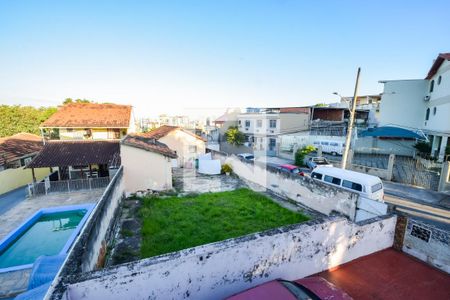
(88, 115)
(437, 63)
(149, 144)
(164, 130)
(77, 153)
(19, 145)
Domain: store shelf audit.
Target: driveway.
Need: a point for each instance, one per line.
(390, 274)
(12, 198)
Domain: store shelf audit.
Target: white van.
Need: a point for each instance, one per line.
(332, 147)
(368, 186)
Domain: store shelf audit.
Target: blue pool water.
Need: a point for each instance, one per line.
(47, 236)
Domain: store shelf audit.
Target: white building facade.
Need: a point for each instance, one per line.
(422, 104)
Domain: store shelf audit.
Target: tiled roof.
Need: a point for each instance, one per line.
(77, 153)
(90, 115)
(18, 145)
(149, 144)
(165, 130)
(437, 63)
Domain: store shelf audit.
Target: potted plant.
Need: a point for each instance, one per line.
(226, 168)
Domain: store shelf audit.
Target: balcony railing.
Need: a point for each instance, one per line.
(66, 186)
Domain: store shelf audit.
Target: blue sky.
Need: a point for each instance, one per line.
(162, 56)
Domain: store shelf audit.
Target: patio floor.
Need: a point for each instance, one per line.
(390, 274)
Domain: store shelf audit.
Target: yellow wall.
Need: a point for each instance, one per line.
(11, 179)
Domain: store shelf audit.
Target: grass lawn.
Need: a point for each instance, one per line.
(171, 224)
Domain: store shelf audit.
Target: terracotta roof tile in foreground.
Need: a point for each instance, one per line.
(18, 145)
(88, 115)
(77, 153)
(149, 144)
(164, 130)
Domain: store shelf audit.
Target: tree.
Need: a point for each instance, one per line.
(301, 153)
(70, 100)
(423, 148)
(234, 136)
(17, 118)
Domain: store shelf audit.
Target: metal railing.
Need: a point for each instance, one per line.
(66, 186)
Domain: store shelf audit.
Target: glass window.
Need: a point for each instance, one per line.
(333, 180)
(431, 86)
(352, 185)
(247, 123)
(258, 123)
(239, 122)
(273, 123)
(192, 148)
(316, 175)
(333, 144)
(377, 187)
(434, 110)
(427, 115)
(324, 143)
(439, 80)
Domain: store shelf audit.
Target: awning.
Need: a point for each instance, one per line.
(77, 153)
(393, 132)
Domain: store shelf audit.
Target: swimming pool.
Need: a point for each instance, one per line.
(49, 231)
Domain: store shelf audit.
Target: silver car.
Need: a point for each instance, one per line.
(314, 162)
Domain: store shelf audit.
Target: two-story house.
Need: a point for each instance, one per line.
(81, 140)
(421, 104)
(83, 121)
(263, 126)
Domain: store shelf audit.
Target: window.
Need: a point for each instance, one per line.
(192, 148)
(334, 144)
(352, 185)
(324, 143)
(316, 175)
(434, 110)
(239, 122)
(427, 115)
(421, 233)
(113, 133)
(258, 123)
(333, 180)
(431, 86)
(376, 187)
(247, 123)
(273, 124)
(439, 80)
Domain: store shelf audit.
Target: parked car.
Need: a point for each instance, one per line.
(246, 156)
(332, 147)
(368, 186)
(314, 288)
(314, 162)
(291, 169)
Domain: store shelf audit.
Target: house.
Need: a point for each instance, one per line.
(147, 163)
(185, 144)
(263, 126)
(333, 120)
(89, 121)
(15, 153)
(421, 104)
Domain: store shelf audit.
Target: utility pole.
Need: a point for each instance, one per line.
(348, 139)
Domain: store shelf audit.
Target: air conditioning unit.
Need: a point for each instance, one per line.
(426, 98)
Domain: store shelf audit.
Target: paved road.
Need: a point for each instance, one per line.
(11, 199)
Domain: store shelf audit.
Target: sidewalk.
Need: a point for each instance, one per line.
(12, 198)
(417, 194)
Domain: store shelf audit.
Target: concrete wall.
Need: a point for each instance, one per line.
(218, 270)
(144, 170)
(402, 103)
(89, 249)
(11, 179)
(316, 195)
(428, 243)
(180, 141)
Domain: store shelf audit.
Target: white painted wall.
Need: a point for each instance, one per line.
(145, 170)
(321, 197)
(218, 270)
(402, 103)
(179, 141)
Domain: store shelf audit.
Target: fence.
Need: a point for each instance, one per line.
(66, 186)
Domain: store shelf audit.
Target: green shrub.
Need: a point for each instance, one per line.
(301, 153)
(423, 148)
(226, 168)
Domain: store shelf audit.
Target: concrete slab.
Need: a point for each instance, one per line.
(390, 274)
